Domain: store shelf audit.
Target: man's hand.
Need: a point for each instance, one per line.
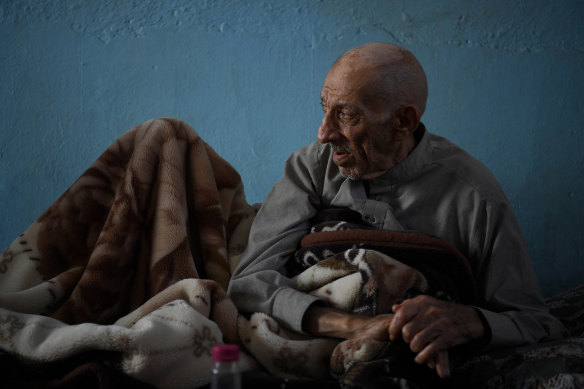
(330, 322)
(431, 326)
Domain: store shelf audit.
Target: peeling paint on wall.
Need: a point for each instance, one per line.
(504, 25)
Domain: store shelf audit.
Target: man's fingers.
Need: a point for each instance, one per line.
(395, 326)
(431, 364)
(443, 364)
(440, 363)
(403, 314)
(421, 338)
(431, 350)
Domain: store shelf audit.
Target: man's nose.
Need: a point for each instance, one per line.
(327, 129)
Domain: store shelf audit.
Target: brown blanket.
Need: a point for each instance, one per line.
(158, 206)
(134, 260)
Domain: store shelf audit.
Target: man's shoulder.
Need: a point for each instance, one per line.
(451, 158)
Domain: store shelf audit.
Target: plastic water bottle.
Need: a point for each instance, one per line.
(226, 373)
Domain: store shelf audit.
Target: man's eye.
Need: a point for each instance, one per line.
(345, 115)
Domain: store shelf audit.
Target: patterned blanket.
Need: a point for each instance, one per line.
(354, 268)
(121, 282)
(132, 260)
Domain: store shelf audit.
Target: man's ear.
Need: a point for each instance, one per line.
(408, 119)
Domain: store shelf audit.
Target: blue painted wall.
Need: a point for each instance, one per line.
(506, 83)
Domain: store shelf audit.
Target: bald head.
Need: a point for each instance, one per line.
(397, 75)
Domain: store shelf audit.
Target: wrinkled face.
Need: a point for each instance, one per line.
(357, 123)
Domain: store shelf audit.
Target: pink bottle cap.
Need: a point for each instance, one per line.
(225, 353)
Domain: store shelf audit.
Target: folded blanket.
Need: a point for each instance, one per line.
(447, 270)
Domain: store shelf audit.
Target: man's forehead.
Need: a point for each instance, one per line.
(338, 94)
(356, 73)
(352, 89)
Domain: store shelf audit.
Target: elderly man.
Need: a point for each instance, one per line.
(375, 157)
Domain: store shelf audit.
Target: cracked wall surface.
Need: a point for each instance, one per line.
(505, 83)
